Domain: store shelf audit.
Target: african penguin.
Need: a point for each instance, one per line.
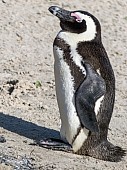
(85, 86)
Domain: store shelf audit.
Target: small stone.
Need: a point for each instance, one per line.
(43, 107)
(2, 139)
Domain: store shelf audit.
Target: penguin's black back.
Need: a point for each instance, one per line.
(94, 53)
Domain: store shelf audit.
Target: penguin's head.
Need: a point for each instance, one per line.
(77, 21)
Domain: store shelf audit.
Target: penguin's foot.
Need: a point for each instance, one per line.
(54, 144)
(107, 152)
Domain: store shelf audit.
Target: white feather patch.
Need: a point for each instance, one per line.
(98, 104)
(77, 144)
(65, 97)
(98, 71)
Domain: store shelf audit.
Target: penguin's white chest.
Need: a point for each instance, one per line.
(64, 83)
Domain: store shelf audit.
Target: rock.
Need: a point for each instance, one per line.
(2, 139)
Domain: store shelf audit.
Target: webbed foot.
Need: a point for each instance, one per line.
(54, 144)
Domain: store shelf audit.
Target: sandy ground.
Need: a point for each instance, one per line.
(28, 107)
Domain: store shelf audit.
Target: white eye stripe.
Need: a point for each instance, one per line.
(73, 38)
(91, 27)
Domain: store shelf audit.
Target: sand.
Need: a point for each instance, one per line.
(28, 107)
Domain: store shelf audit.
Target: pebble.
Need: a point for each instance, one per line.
(2, 139)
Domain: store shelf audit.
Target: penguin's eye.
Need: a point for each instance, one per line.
(78, 18)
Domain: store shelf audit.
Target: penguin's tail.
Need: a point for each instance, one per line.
(107, 151)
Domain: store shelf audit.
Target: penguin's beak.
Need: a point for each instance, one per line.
(62, 14)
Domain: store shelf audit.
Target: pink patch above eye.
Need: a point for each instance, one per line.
(78, 19)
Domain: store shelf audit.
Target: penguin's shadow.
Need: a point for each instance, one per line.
(25, 128)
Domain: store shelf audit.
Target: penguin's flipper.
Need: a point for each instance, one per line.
(92, 88)
(86, 113)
